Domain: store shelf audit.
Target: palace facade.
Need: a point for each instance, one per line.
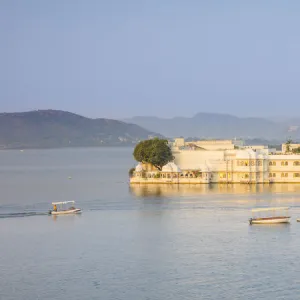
(222, 161)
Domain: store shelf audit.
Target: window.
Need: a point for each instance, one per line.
(272, 175)
(272, 163)
(259, 162)
(296, 174)
(246, 176)
(296, 163)
(284, 174)
(284, 163)
(243, 163)
(222, 175)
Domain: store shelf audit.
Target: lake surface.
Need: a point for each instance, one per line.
(145, 242)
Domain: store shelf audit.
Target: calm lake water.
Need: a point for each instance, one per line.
(145, 242)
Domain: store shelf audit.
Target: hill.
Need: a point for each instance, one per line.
(210, 125)
(53, 129)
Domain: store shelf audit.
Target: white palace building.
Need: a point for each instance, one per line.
(222, 161)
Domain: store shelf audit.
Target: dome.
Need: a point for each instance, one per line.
(139, 168)
(171, 168)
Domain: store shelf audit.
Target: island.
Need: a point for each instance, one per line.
(213, 161)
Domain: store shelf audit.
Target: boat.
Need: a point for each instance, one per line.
(60, 208)
(270, 215)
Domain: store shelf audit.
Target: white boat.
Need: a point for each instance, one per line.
(270, 215)
(59, 208)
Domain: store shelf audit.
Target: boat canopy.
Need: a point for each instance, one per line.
(64, 202)
(269, 209)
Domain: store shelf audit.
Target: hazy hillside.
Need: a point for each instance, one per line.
(209, 125)
(51, 128)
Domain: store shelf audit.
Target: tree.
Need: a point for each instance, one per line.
(155, 151)
(131, 172)
(296, 150)
(288, 145)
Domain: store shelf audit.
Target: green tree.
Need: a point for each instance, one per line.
(296, 150)
(131, 171)
(288, 145)
(155, 151)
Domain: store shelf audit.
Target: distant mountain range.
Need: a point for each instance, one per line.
(54, 128)
(211, 125)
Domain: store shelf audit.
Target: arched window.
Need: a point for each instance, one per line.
(296, 163)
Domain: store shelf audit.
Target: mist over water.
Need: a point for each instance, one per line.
(140, 241)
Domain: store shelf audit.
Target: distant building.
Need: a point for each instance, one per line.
(284, 147)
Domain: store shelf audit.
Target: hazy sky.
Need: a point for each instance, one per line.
(158, 57)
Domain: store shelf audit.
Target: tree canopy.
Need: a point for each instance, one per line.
(155, 151)
(288, 145)
(296, 150)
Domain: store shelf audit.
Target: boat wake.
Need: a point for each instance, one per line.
(21, 214)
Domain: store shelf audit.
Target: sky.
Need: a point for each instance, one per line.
(165, 58)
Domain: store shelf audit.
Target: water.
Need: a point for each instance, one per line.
(144, 242)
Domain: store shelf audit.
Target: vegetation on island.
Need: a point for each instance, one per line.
(155, 151)
(289, 149)
(131, 171)
(296, 150)
(288, 145)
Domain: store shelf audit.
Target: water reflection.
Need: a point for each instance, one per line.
(271, 231)
(66, 217)
(167, 190)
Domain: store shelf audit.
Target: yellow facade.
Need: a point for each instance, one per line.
(225, 166)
